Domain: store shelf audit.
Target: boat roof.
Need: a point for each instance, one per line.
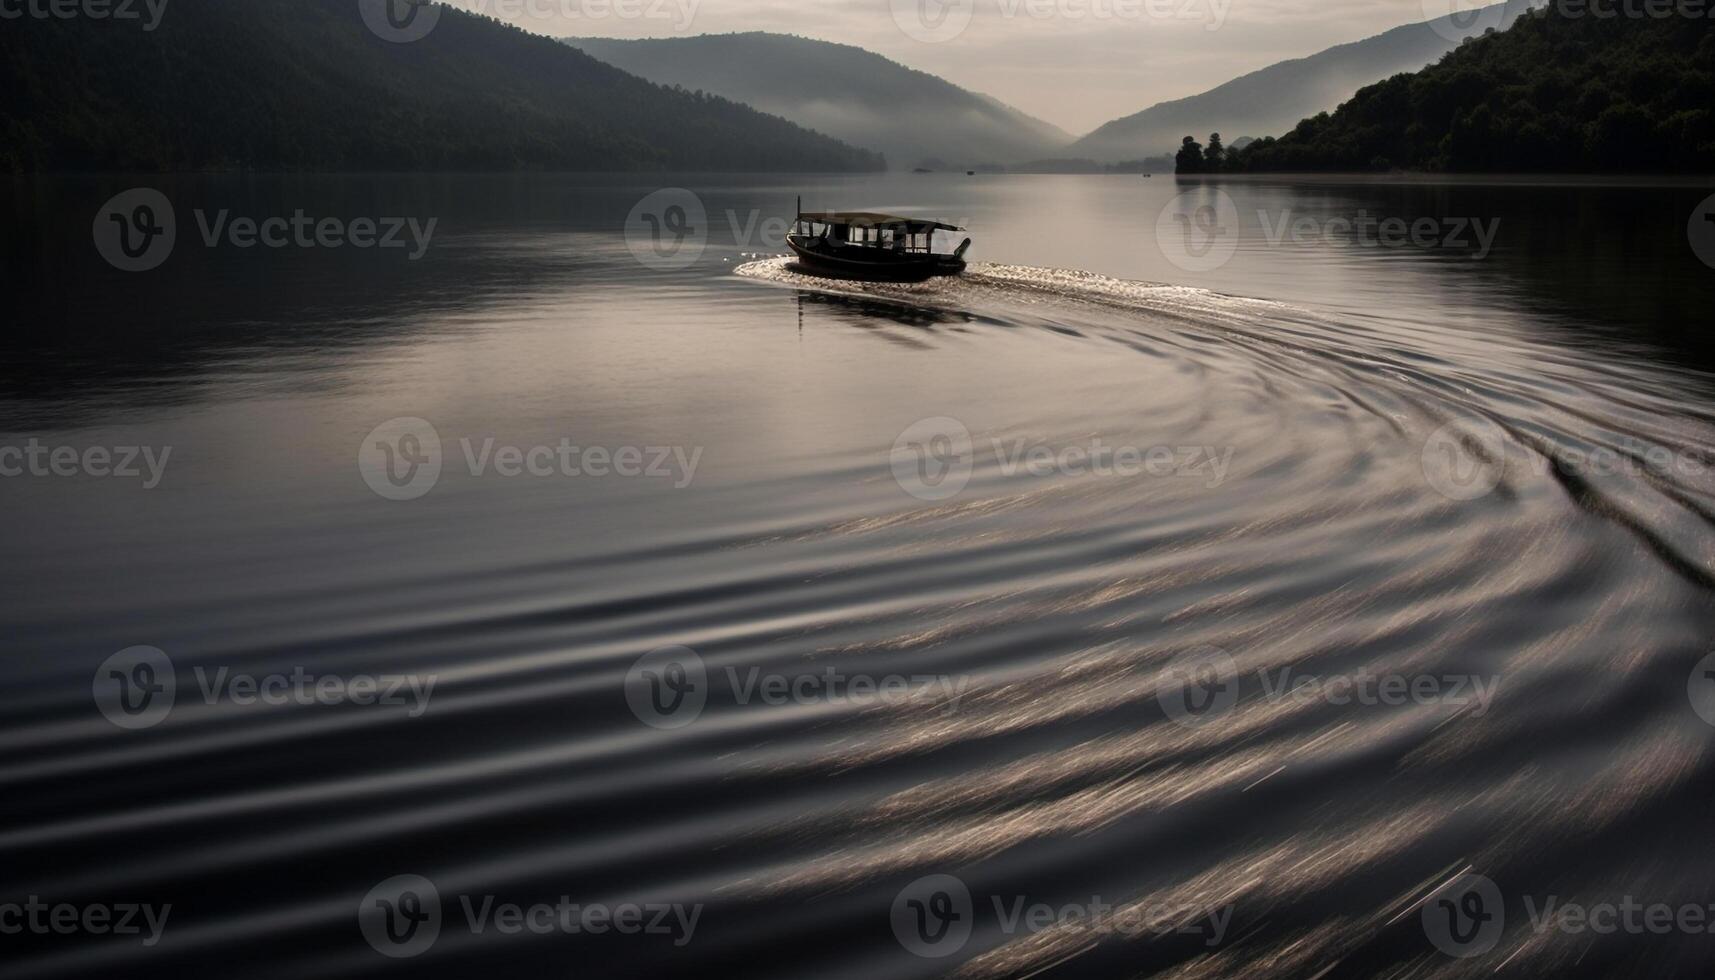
(876, 219)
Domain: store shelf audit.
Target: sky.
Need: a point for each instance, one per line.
(1074, 63)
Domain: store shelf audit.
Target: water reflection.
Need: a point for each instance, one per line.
(1053, 599)
(1607, 267)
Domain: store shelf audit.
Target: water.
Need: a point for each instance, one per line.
(1170, 461)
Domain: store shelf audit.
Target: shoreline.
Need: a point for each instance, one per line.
(1477, 180)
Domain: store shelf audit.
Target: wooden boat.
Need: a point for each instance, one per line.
(872, 246)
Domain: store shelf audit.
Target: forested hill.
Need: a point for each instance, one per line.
(305, 85)
(1552, 94)
(1273, 99)
(911, 116)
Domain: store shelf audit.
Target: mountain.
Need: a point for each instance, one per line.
(305, 85)
(1274, 99)
(855, 95)
(1553, 94)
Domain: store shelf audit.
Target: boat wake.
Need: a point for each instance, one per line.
(1459, 573)
(1400, 494)
(989, 286)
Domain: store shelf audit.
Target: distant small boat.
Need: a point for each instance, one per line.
(871, 246)
(970, 173)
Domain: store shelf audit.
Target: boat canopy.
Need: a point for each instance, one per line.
(876, 219)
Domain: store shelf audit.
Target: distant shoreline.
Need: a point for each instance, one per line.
(1434, 177)
(1308, 177)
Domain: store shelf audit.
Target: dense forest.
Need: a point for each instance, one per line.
(304, 85)
(1551, 94)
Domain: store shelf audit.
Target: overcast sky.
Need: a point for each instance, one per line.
(1075, 63)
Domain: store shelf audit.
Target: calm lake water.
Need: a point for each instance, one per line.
(1230, 575)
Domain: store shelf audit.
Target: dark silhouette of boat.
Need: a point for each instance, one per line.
(872, 246)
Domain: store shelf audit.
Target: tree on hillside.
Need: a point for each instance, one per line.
(1189, 159)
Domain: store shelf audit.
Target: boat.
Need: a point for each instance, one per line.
(871, 246)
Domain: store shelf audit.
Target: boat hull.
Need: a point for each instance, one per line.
(881, 267)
